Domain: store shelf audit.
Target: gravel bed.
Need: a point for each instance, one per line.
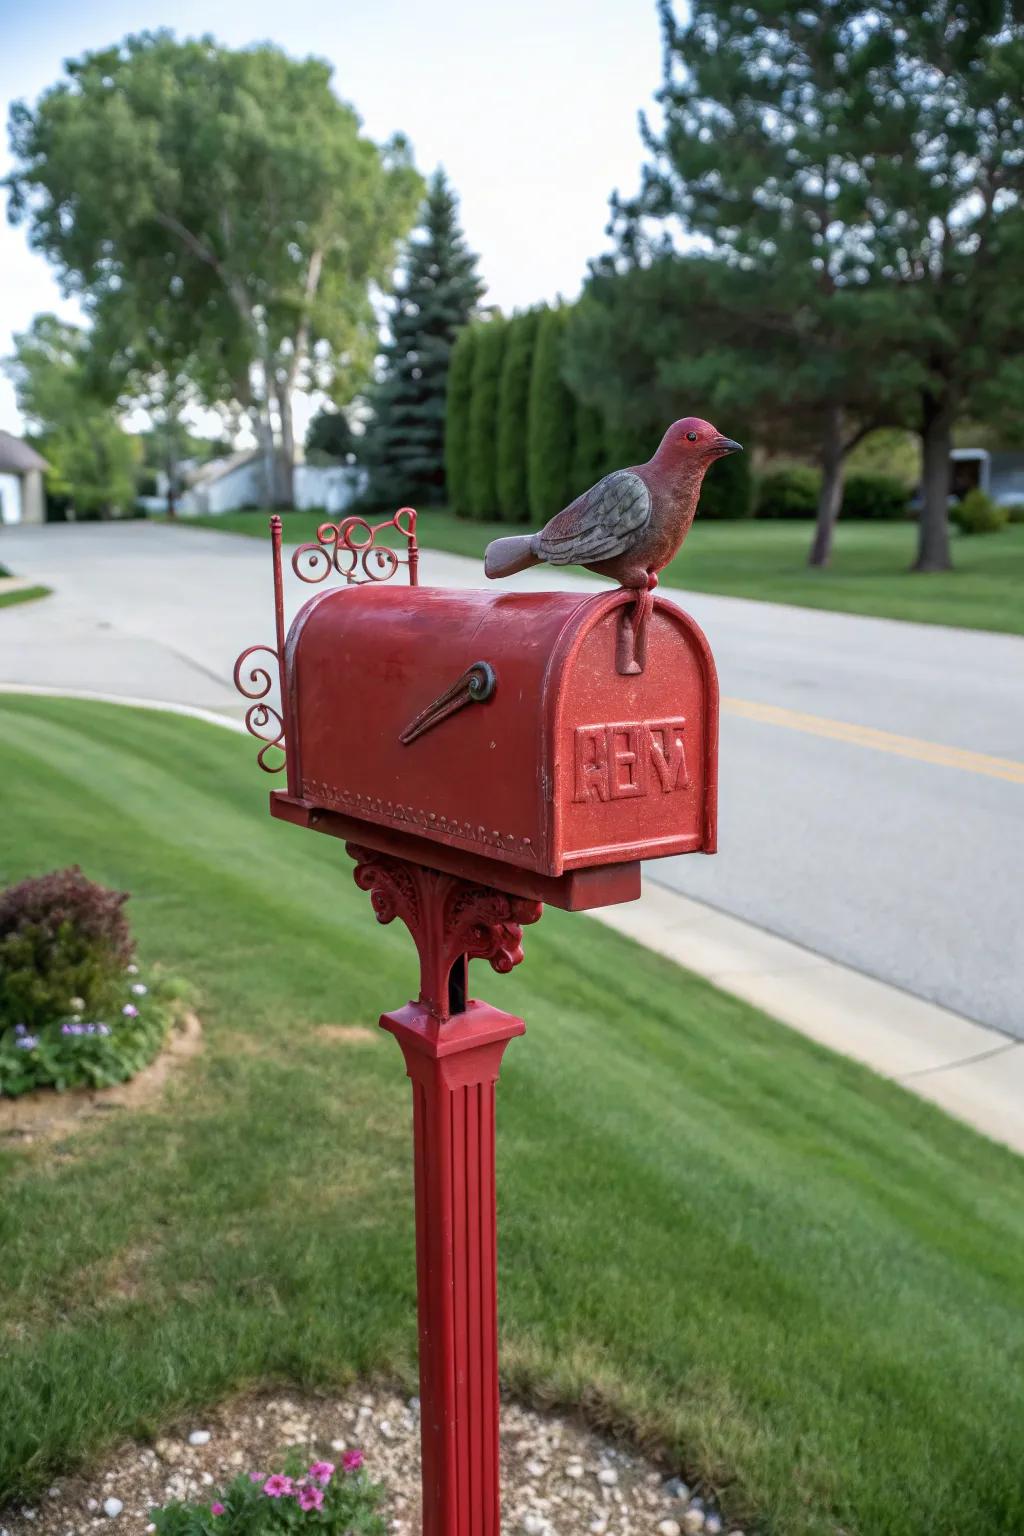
(559, 1479)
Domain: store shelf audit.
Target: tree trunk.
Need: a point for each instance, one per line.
(285, 479)
(936, 443)
(831, 495)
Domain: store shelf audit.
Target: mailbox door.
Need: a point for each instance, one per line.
(635, 758)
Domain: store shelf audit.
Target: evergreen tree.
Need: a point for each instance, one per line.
(551, 421)
(436, 295)
(590, 448)
(456, 441)
(483, 419)
(862, 164)
(513, 410)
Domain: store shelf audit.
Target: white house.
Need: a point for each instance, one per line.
(22, 499)
(1000, 475)
(237, 481)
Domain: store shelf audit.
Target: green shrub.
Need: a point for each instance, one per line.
(318, 1499)
(1015, 511)
(978, 513)
(73, 1011)
(552, 414)
(880, 498)
(482, 447)
(513, 405)
(791, 492)
(590, 449)
(456, 438)
(61, 936)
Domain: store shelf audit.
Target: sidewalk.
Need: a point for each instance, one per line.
(974, 1073)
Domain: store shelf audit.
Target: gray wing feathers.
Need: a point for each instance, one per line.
(601, 524)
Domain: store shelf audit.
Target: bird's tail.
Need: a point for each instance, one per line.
(504, 557)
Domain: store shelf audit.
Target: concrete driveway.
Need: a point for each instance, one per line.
(872, 796)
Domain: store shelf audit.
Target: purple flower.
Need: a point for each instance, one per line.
(27, 1042)
(277, 1486)
(257, 1477)
(19, 1029)
(130, 1011)
(311, 1498)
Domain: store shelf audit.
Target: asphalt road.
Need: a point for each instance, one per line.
(845, 823)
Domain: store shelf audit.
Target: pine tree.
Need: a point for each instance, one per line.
(483, 419)
(863, 166)
(436, 295)
(551, 421)
(513, 409)
(456, 439)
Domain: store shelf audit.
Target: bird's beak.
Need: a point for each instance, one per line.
(727, 445)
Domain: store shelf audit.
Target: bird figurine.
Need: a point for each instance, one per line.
(628, 526)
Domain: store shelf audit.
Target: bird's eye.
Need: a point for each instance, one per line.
(692, 436)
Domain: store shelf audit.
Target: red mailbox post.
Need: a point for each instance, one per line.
(480, 754)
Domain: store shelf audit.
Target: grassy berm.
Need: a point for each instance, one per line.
(803, 1284)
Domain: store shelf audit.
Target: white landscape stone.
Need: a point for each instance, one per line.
(693, 1521)
(608, 1477)
(112, 1507)
(200, 1437)
(669, 1528)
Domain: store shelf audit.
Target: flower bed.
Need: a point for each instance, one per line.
(321, 1496)
(74, 1008)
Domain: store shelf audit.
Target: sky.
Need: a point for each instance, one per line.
(530, 105)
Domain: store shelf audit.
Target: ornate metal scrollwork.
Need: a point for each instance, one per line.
(351, 550)
(260, 716)
(447, 917)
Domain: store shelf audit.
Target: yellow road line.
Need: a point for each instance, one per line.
(878, 741)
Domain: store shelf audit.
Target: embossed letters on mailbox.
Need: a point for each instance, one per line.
(613, 761)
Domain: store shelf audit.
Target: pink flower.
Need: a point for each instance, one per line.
(322, 1471)
(257, 1477)
(311, 1498)
(352, 1461)
(217, 1508)
(277, 1485)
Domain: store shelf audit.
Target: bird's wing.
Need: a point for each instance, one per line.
(605, 521)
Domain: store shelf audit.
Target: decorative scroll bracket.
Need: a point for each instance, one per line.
(450, 920)
(351, 550)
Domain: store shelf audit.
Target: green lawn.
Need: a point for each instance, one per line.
(768, 561)
(804, 1283)
(22, 595)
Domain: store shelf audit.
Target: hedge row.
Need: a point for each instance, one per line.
(519, 445)
(793, 492)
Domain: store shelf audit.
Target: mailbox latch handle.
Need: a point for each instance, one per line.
(476, 684)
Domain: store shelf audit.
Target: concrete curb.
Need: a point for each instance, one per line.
(974, 1073)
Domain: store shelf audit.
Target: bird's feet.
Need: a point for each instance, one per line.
(632, 641)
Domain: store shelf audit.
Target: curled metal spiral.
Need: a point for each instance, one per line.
(262, 720)
(351, 550)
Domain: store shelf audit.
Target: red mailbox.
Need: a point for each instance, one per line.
(480, 754)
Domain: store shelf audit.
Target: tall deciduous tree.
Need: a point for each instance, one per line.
(848, 151)
(92, 459)
(231, 192)
(513, 408)
(436, 295)
(456, 440)
(551, 419)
